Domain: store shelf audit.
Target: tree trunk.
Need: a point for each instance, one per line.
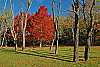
(73, 33)
(16, 47)
(23, 40)
(57, 28)
(3, 39)
(15, 44)
(2, 42)
(76, 43)
(15, 40)
(14, 35)
(76, 38)
(56, 48)
(76, 7)
(0, 38)
(51, 46)
(24, 32)
(89, 33)
(94, 37)
(87, 48)
(57, 36)
(40, 43)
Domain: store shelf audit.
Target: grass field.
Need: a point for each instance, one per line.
(43, 57)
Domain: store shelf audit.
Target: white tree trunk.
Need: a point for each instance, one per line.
(53, 42)
(3, 40)
(23, 40)
(40, 44)
(52, 45)
(15, 39)
(24, 32)
(57, 47)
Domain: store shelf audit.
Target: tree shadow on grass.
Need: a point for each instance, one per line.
(84, 51)
(90, 57)
(40, 54)
(1, 48)
(7, 50)
(47, 56)
(53, 55)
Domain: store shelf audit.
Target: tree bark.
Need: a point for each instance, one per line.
(3, 39)
(52, 45)
(40, 43)
(56, 48)
(29, 3)
(76, 39)
(15, 40)
(23, 40)
(76, 29)
(89, 33)
(87, 48)
(57, 36)
(57, 28)
(14, 36)
(52, 5)
(24, 31)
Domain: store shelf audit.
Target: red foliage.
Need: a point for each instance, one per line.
(40, 25)
(18, 22)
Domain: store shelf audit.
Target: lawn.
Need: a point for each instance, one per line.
(43, 57)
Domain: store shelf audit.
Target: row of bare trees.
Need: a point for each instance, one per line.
(29, 2)
(87, 7)
(89, 25)
(5, 18)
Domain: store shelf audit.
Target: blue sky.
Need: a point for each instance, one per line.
(66, 5)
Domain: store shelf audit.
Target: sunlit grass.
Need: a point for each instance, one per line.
(43, 57)
(97, 0)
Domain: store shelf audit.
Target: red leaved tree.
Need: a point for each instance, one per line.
(40, 26)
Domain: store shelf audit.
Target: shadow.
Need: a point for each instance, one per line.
(66, 50)
(90, 57)
(47, 56)
(1, 48)
(51, 53)
(84, 51)
(5, 50)
(81, 59)
(8, 51)
(70, 56)
(40, 54)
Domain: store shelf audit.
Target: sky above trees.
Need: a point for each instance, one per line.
(66, 5)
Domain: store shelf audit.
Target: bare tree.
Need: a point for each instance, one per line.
(57, 28)
(4, 22)
(89, 28)
(56, 21)
(14, 34)
(29, 2)
(53, 17)
(76, 29)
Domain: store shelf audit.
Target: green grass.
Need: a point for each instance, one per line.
(42, 57)
(97, 6)
(97, 0)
